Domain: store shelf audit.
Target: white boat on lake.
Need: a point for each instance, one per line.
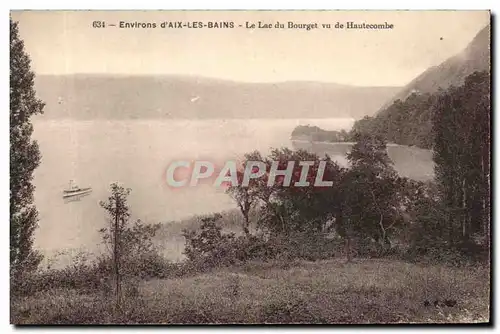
(74, 190)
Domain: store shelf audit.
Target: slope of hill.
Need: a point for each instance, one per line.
(453, 71)
(407, 118)
(84, 96)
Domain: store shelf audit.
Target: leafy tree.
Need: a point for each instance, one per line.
(124, 241)
(208, 246)
(309, 208)
(372, 194)
(246, 197)
(245, 200)
(427, 212)
(461, 126)
(290, 209)
(24, 157)
(288, 215)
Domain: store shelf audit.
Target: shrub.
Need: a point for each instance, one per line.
(82, 274)
(208, 247)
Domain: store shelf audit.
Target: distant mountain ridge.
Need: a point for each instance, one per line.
(453, 71)
(91, 96)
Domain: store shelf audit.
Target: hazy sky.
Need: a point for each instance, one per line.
(65, 43)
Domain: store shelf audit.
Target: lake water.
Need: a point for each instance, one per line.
(136, 154)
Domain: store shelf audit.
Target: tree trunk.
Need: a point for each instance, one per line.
(347, 248)
(246, 223)
(383, 233)
(348, 241)
(116, 255)
(465, 211)
(486, 191)
(246, 231)
(283, 225)
(451, 203)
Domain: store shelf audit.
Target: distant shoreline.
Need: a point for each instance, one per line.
(352, 143)
(339, 142)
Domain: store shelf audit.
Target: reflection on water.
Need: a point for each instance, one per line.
(75, 198)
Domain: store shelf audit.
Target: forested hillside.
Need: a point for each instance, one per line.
(452, 72)
(404, 123)
(409, 122)
(407, 118)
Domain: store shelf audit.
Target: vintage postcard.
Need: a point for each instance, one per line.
(250, 167)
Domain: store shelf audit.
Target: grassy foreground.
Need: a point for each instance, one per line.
(365, 291)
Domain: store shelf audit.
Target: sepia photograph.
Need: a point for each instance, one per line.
(250, 167)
